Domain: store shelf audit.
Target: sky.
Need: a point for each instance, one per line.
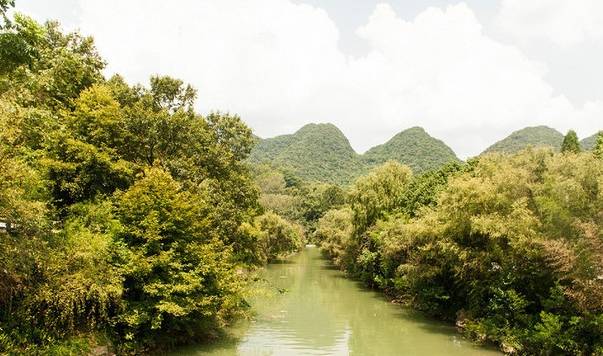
(469, 72)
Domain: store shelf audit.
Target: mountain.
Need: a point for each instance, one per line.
(589, 142)
(413, 147)
(316, 152)
(321, 152)
(530, 136)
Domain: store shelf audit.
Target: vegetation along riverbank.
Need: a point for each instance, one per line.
(130, 224)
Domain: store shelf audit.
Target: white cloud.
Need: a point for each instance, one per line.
(561, 22)
(278, 65)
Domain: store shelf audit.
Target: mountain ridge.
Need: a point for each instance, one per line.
(588, 143)
(321, 152)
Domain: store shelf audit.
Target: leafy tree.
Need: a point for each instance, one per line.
(81, 285)
(570, 142)
(334, 232)
(281, 237)
(78, 171)
(97, 119)
(4, 6)
(598, 150)
(378, 193)
(19, 42)
(179, 279)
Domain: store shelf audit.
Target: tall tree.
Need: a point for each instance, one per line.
(598, 150)
(570, 142)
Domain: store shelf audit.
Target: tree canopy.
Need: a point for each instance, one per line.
(570, 142)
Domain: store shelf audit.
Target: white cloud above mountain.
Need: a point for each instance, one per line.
(278, 64)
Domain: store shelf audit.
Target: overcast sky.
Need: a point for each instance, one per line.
(468, 72)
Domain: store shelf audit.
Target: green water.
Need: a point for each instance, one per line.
(308, 308)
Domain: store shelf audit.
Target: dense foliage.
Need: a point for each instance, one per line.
(298, 201)
(511, 247)
(124, 213)
(321, 153)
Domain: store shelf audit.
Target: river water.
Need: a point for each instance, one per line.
(306, 307)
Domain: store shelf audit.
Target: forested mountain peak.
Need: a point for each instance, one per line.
(320, 128)
(536, 136)
(318, 152)
(413, 147)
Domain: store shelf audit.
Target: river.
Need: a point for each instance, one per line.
(306, 307)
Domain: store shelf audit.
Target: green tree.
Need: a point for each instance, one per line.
(4, 6)
(333, 233)
(598, 150)
(19, 42)
(281, 238)
(378, 193)
(179, 279)
(570, 142)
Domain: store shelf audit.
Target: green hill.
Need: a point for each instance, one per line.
(589, 142)
(536, 136)
(413, 147)
(321, 152)
(316, 152)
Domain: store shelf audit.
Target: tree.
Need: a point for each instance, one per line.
(179, 279)
(281, 237)
(20, 42)
(333, 233)
(598, 150)
(570, 143)
(98, 119)
(4, 6)
(378, 193)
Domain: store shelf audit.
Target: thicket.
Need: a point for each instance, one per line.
(126, 216)
(508, 247)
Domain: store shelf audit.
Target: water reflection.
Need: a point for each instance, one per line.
(308, 308)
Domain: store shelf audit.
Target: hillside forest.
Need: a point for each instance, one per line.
(131, 222)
